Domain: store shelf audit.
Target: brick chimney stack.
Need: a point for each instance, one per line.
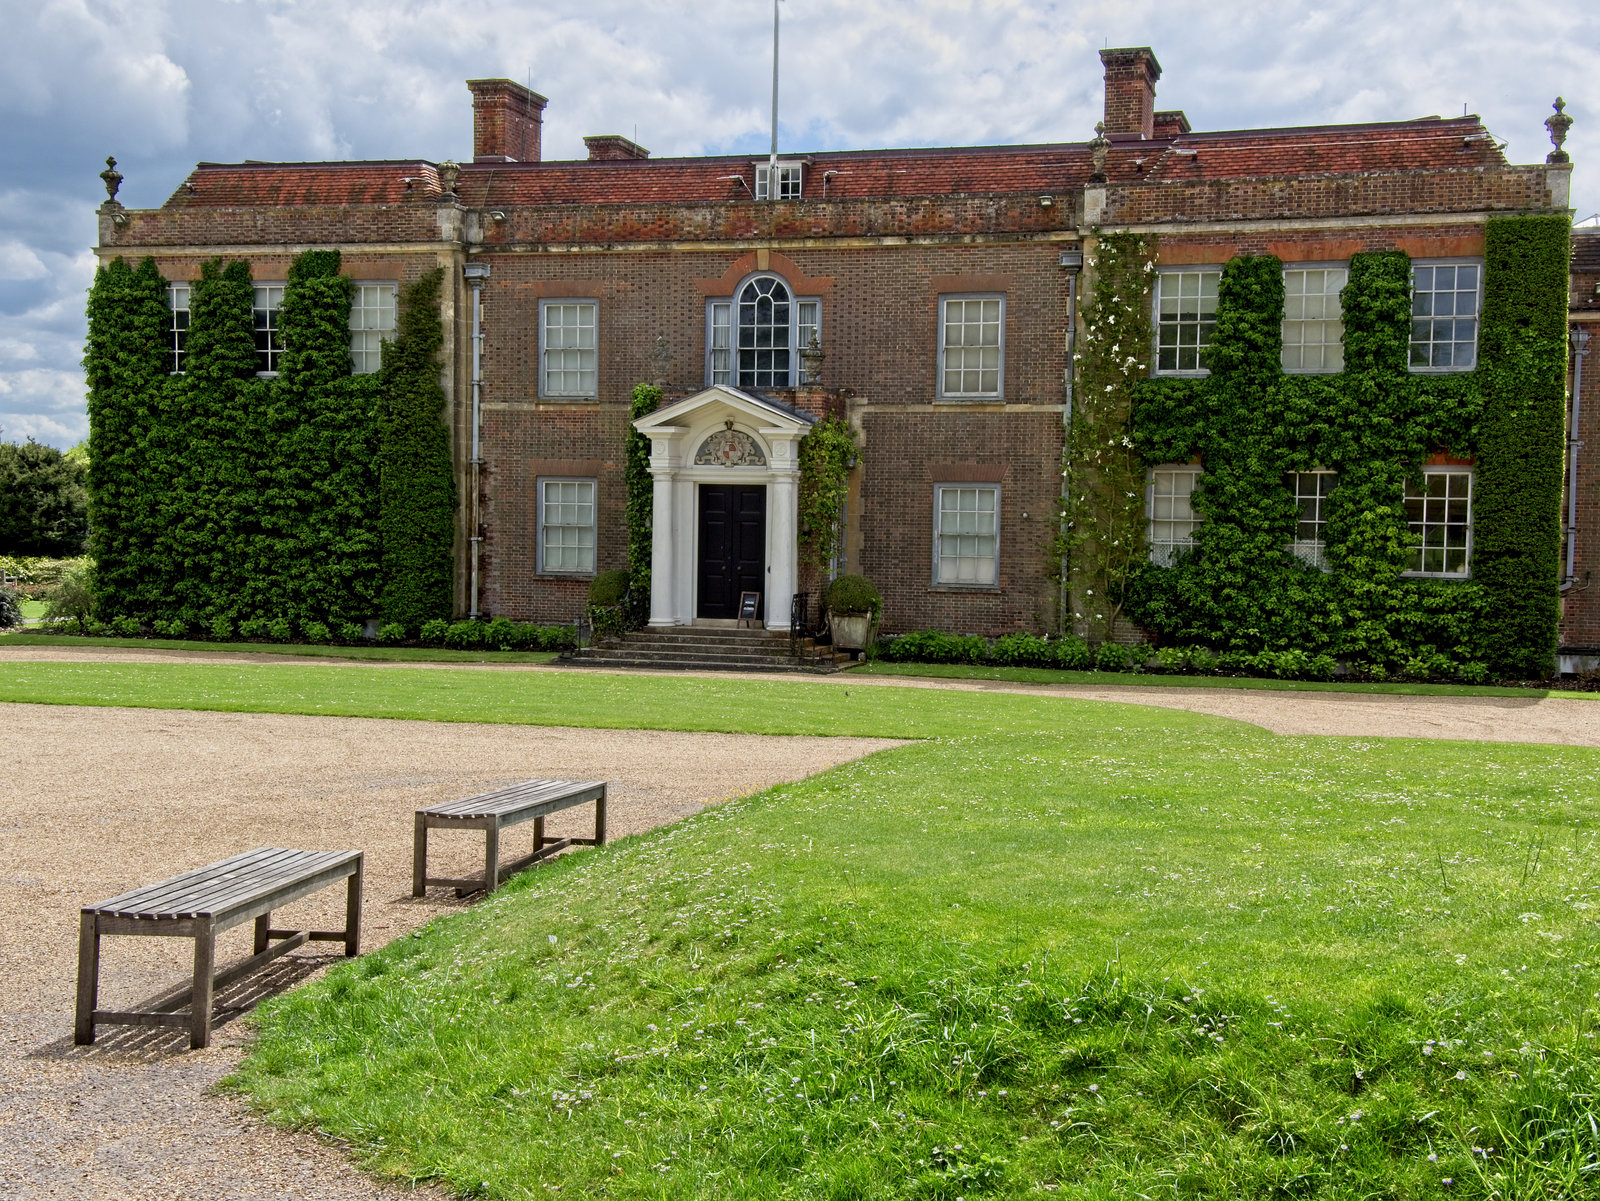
(1131, 74)
(507, 120)
(612, 148)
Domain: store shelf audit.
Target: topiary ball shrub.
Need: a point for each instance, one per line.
(501, 634)
(608, 588)
(433, 631)
(854, 594)
(317, 633)
(10, 609)
(391, 633)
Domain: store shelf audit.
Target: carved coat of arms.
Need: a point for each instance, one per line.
(730, 448)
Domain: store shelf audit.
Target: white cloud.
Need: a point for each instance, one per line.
(164, 83)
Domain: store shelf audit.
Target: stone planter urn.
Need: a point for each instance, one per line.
(852, 631)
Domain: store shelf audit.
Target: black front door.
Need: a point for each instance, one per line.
(733, 547)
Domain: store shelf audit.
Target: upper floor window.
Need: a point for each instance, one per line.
(971, 346)
(1444, 315)
(966, 534)
(269, 340)
(789, 180)
(568, 348)
(1311, 490)
(1186, 315)
(178, 335)
(372, 322)
(754, 340)
(1313, 326)
(1440, 514)
(1168, 502)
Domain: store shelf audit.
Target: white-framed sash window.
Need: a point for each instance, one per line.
(972, 346)
(372, 323)
(1313, 321)
(566, 526)
(1439, 513)
(1169, 494)
(569, 348)
(1186, 316)
(966, 535)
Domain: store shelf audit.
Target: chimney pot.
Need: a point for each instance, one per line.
(1131, 74)
(507, 120)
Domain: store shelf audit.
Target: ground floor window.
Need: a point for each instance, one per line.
(1439, 513)
(1173, 520)
(966, 535)
(566, 526)
(1311, 490)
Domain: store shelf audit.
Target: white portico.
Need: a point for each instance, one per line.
(726, 470)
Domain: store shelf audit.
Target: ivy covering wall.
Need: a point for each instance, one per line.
(1374, 423)
(218, 496)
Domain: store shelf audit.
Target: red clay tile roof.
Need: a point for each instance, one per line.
(1430, 143)
(235, 185)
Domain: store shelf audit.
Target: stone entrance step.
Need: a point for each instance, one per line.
(708, 648)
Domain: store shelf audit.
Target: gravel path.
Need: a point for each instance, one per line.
(94, 801)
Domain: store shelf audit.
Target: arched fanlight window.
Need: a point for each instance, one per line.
(755, 337)
(764, 333)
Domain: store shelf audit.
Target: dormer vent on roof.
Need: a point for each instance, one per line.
(1171, 124)
(613, 148)
(507, 120)
(1131, 74)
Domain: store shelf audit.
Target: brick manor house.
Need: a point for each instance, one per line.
(941, 288)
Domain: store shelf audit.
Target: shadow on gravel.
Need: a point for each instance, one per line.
(150, 1043)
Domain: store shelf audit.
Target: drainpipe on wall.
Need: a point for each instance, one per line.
(1580, 349)
(475, 274)
(1072, 262)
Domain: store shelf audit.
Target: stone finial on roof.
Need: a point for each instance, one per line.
(113, 178)
(1099, 147)
(1558, 123)
(449, 172)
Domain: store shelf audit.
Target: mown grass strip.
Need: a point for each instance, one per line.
(388, 654)
(1112, 958)
(576, 698)
(1116, 679)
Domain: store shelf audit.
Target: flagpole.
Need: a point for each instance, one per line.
(772, 160)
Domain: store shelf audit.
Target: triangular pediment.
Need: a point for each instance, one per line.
(720, 401)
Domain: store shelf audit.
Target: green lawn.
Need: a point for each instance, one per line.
(1050, 675)
(1054, 949)
(393, 654)
(33, 610)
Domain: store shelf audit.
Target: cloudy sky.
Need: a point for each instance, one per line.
(163, 84)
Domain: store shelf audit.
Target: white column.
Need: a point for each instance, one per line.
(783, 555)
(662, 573)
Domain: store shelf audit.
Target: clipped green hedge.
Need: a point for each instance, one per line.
(220, 498)
(1375, 423)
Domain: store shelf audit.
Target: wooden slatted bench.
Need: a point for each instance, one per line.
(200, 905)
(491, 812)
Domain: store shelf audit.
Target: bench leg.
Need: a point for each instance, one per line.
(419, 857)
(263, 924)
(491, 857)
(600, 818)
(538, 834)
(205, 955)
(88, 979)
(352, 912)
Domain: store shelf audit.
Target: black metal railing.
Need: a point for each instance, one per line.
(799, 620)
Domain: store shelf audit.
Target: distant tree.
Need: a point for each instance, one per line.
(44, 504)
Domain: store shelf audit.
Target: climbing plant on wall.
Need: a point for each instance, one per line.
(827, 455)
(1374, 424)
(640, 503)
(219, 496)
(1103, 520)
